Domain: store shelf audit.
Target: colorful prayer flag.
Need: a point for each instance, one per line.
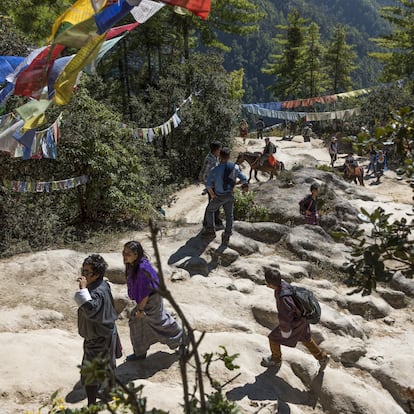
(32, 80)
(145, 10)
(111, 15)
(200, 8)
(81, 10)
(67, 79)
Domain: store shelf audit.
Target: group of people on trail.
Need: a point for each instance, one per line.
(377, 159)
(149, 322)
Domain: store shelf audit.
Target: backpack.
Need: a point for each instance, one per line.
(306, 302)
(228, 180)
(304, 205)
(274, 149)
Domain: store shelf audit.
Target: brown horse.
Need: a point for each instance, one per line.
(253, 158)
(353, 174)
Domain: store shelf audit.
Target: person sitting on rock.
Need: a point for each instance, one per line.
(310, 205)
(292, 328)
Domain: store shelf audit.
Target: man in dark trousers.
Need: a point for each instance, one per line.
(211, 161)
(220, 185)
(260, 125)
(96, 319)
(292, 328)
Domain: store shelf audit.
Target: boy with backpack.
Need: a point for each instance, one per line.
(293, 324)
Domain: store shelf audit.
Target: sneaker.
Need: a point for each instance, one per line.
(324, 362)
(269, 362)
(134, 357)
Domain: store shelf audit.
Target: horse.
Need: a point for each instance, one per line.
(253, 158)
(354, 174)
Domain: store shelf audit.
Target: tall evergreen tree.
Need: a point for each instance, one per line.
(285, 65)
(340, 62)
(310, 60)
(398, 57)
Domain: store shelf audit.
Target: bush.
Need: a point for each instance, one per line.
(246, 209)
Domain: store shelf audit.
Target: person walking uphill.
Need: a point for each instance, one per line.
(211, 161)
(309, 205)
(293, 328)
(220, 185)
(149, 322)
(96, 319)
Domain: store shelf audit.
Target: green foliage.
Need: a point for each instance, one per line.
(374, 256)
(399, 44)
(340, 62)
(246, 209)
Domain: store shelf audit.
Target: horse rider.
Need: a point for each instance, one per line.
(350, 162)
(268, 152)
(333, 150)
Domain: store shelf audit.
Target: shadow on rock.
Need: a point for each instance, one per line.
(77, 394)
(270, 387)
(188, 256)
(130, 371)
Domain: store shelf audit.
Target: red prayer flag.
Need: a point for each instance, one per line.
(200, 8)
(32, 80)
(116, 31)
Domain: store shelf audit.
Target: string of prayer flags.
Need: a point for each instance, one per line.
(44, 186)
(200, 8)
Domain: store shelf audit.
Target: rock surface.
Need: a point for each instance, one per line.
(222, 292)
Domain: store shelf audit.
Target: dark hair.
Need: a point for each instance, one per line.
(215, 145)
(225, 152)
(98, 264)
(273, 277)
(137, 248)
(314, 186)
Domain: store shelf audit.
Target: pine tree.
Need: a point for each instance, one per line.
(340, 62)
(398, 57)
(285, 65)
(314, 77)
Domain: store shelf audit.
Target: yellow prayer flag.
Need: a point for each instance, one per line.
(81, 10)
(67, 79)
(33, 113)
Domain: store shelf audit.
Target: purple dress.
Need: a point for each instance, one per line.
(157, 325)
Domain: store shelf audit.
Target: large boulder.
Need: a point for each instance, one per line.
(400, 282)
(369, 307)
(263, 232)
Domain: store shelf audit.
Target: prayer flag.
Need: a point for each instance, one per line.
(8, 64)
(33, 113)
(56, 70)
(117, 31)
(111, 15)
(200, 8)
(81, 10)
(67, 79)
(145, 10)
(32, 80)
(77, 35)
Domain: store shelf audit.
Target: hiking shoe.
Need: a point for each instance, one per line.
(269, 362)
(134, 357)
(324, 362)
(225, 238)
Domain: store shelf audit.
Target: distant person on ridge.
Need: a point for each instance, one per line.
(260, 125)
(333, 150)
(292, 328)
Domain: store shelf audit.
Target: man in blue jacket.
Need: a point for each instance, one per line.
(220, 185)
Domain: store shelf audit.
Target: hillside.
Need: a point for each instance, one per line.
(360, 17)
(370, 338)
